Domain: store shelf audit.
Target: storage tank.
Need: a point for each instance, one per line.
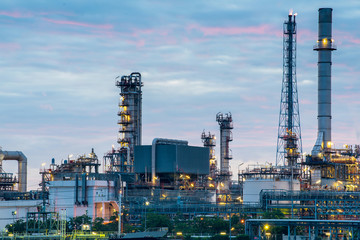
(253, 187)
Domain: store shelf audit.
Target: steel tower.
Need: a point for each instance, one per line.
(226, 124)
(209, 141)
(289, 145)
(122, 159)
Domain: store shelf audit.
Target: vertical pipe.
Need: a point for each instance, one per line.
(83, 184)
(289, 232)
(76, 189)
(291, 31)
(119, 213)
(324, 48)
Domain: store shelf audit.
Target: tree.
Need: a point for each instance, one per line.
(19, 226)
(157, 220)
(76, 222)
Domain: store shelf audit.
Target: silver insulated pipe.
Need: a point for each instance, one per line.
(324, 47)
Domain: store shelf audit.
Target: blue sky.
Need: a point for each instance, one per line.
(59, 60)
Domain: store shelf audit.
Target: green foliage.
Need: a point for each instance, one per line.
(19, 226)
(76, 222)
(242, 237)
(219, 237)
(201, 225)
(275, 214)
(157, 220)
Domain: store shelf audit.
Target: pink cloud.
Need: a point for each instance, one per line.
(80, 24)
(306, 101)
(254, 30)
(47, 107)
(306, 35)
(346, 37)
(14, 14)
(10, 46)
(344, 96)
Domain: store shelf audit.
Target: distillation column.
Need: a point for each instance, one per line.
(289, 145)
(324, 47)
(226, 124)
(130, 118)
(209, 141)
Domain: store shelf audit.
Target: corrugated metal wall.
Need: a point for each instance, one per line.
(173, 158)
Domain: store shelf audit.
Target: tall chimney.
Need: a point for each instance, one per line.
(324, 47)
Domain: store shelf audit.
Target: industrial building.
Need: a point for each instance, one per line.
(170, 176)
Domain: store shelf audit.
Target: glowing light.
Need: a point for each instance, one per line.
(223, 233)
(325, 41)
(179, 233)
(266, 227)
(147, 203)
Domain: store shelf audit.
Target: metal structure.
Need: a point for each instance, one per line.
(136, 211)
(130, 122)
(22, 169)
(226, 124)
(260, 228)
(313, 204)
(289, 144)
(63, 224)
(324, 47)
(209, 141)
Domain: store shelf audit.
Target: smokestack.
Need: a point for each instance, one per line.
(324, 47)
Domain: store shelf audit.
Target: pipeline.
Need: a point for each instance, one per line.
(22, 166)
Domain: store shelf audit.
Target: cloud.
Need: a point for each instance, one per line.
(79, 24)
(47, 107)
(15, 14)
(251, 30)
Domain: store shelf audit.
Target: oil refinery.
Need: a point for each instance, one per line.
(319, 192)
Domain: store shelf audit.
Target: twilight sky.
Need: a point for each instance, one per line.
(59, 61)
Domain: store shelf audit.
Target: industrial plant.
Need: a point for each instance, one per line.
(320, 192)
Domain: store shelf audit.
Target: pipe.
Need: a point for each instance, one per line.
(22, 166)
(324, 47)
(77, 189)
(83, 184)
(127, 158)
(137, 75)
(155, 142)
